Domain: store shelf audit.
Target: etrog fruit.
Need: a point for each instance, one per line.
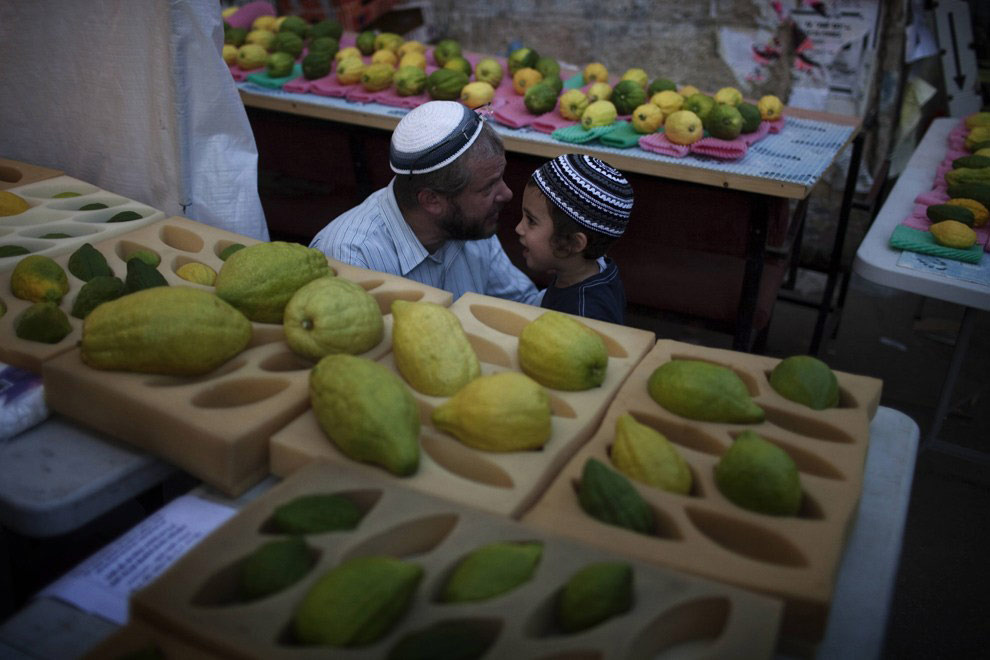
(758, 475)
(703, 391)
(561, 352)
(492, 570)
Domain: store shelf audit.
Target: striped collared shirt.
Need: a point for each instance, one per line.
(374, 235)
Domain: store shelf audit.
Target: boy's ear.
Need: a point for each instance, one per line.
(579, 241)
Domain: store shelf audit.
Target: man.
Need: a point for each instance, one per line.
(436, 220)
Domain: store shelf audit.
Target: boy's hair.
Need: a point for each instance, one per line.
(588, 195)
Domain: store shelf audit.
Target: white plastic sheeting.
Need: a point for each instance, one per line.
(133, 97)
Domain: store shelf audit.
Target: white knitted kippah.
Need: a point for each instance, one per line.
(431, 136)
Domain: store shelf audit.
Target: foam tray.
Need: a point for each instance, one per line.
(48, 215)
(214, 426)
(15, 173)
(703, 533)
(504, 483)
(194, 600)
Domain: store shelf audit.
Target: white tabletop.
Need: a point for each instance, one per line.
(877, 262)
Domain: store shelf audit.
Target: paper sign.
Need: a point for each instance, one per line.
(957, 270)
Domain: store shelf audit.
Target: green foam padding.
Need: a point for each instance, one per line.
(917, 240)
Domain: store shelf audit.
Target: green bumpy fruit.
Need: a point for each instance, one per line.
(972, 161)
(409, 81)
(140, 276)
(806, 380)
(547, 66)
(595, 593)
(174, 330)
(365, 42)
(42, 322)
(289, 43)
(759, 476)
(750, 116)
(329, 27)
(492, 570)
(323, 46)
(978, 191)
(235, 36)
(87, 262)
(724, 122)
(274, 566)
(445, 84)
(316, 514)
(661, 85)
(296, 24)
(968, 175)
(317, 65)
(97, 290)
(522, 58)
(279, 64)
(940, 212)
(260, 279)
(608, 496)
(561, 352)
(357, 602)
(540, 98)
(446, 49)
(627, 95)
(703, 391)
(366, 410)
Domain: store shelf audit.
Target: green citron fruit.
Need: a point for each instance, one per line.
(317, 65)
(459, 63)
(968, 175)
(446, 49)
(447, 640)
(38, 278)
(609, 497)
(124, 216)
(289, 43)
(279, 64)
(13, 251)
(366, 42)
(357, 602)
(140, 275)
(547, 66)
(260, 279)
(505, 411)
(540, 98)
(561, 352)
(377, 77)
(724, 122)
(328, 27)
(627, 95)
(173, 330)
(87, 262)
(750, 116)
(644, 454)
(806, 380)
(522, 58)
(42, 322)
(757, 475)
(274, 566)
(700, 104)
(97, 290)
(594, 594)
(703, 391)
(661, 85)
(295, 24)
(409, 81)
(431, 350)
(492, 570)
(323, 46)
(149, 257)
(316, 514)
(445, 84)
(366, 411)
(332, 315)
(489, 70)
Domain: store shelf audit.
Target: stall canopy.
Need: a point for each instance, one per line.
(133, 97)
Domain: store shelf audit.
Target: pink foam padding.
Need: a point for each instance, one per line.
(932, 197)
(952, 154)
(914, 222)
(957, 143)
(240, 75)
(330, 86)
(658, 143)
(299, 85)
(387, 96)
(548, 122)
(724, 149)
(244, 17)
(775, 126)
(514, 114)
(761, 132)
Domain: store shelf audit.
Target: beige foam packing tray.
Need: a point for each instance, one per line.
(192, 601)
(703, 533)
(504, 483)
(49, 215)
(15, 173)
(215, 426)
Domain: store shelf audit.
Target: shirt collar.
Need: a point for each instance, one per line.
(410, 251)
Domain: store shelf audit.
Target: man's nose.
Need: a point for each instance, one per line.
(504, 194)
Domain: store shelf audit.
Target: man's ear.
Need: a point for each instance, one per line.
(431, 201)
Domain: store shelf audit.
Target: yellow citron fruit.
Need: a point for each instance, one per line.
(953, 234)
(264, 23)
(431, 349)
(525, 78)
(332, 315)
(572, 104)
(349, 70)
(263, 38)
(976, 135)
(978, 119)
(985, 151)
(344, 53)
(728, 96)
(980, 212)
(683, 127)
(688, 90)
(197, 273)
(411, 46)
(668, 101)
(477, 94)
(229, 54)
(638, 75)
(599, 113)
(770, 107)
(561, 352)
(644, 454)
(278, 23)
(228, 12)
(251, 56)
(378, 76)
(38, 278)
(415, 59)
(647, 118)
(505, 411)
(385, 56)
(595, 72)
(11, 204)
(599, 91)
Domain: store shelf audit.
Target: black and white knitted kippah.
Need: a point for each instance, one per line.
(431, 136)
(590, 191)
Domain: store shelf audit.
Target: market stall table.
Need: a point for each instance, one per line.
(51, 629)
(882, 264)
(792, 176)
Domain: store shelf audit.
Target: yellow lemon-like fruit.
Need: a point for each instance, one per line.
(599, 91)
(332, 315)
(229, 54)
(377, 76)
(385, 56)
(770, 107)
(978, 119)
(264, 23)
(197, 273)
(668, 101)
(11, 204)
(688, 90)
(728, 96)
(263, 38)
(638, 75)
(953, 234)
(525, 78)
(349, 70)
(477, 94)
(572, 104)
(976, 135)
(228, 12)
(251, 56)
(599, 113)
(38, 278)
(595, 72)
(411, 46)
(344, 53)
(683, 127)
(415, 59)
(643, 453)
(647, 118)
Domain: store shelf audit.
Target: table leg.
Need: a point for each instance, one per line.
(835, 261)
(756, 245)
(945, 397)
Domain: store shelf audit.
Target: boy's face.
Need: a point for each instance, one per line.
(535, 229)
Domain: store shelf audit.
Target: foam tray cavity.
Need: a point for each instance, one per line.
(15, 173)
(194, 602)
(503, 483)
(794, 558)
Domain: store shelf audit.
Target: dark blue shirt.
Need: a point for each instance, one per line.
(601, 296)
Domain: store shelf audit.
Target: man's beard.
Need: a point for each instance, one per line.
(456, 227)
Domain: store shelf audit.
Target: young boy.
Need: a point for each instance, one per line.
(574, 208)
